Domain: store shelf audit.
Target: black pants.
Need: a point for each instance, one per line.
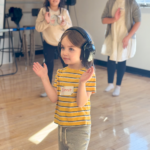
(111, 68)
(49, 55)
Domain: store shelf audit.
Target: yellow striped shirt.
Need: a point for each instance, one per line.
(67, 112)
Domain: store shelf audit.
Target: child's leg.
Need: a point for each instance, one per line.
(77, 138)
(49, 53)
(61, 143)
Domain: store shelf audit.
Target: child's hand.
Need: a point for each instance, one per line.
(39, 70)
(47, 17)
(87, 75)
(125, 42)
(117, 14)
(63, 22)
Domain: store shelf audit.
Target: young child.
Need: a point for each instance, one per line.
(123, 18)
(52, 21)
(72, 89)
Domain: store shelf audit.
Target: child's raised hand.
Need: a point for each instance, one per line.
(63, 22)
(39, 70)
(117, 14)
(47, 17)
(87, 75)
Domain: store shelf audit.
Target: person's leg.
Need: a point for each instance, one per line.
(49, 53)
(77, 138)
(120, 73)
(61, 144)
(111, 68)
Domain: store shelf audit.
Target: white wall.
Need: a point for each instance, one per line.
(89, 17)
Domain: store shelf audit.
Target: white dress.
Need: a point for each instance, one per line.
(113, 45)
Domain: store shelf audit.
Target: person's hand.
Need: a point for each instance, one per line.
(63, 22)
(47, 17)
(125, 42)
(87, 75)
(117, 14)
(40, 71)
(52, 21)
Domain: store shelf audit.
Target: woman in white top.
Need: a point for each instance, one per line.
(123, 18)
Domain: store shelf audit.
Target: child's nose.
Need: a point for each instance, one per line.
(65, 52)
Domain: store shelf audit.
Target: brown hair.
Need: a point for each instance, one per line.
(61, 4)
(78, 40)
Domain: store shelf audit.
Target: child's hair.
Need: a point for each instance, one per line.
(78, 40)
(61, 4)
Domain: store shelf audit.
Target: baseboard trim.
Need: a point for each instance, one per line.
(132, 70)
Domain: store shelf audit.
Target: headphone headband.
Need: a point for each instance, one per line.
(82, 32)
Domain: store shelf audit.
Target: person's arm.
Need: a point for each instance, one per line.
(134, 29)
(67, 23)
(42, 73)
(82, 94)
(108, 20)
(136, 13)
(113, 19)
(131, 33)
(41, 23)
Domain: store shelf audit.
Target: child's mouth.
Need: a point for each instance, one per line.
(65, 58)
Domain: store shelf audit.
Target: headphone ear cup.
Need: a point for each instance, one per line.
(87, 52)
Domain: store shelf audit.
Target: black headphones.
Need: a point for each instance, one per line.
(87, 49)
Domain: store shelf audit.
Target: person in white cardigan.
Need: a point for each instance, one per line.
(123, 19)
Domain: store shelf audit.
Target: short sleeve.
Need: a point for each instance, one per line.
(91, 85)
(56, 79)
(136, 12)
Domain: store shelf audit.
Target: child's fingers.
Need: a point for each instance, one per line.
(45, 66)
(38, 65)
(35, 70)
(92, 69)
(35, 66)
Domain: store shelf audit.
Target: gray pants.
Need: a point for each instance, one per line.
(74, 138)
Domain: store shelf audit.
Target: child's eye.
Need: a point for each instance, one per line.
(62, 48)
(71, 49)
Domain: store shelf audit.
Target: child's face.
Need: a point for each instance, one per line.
(54, 2)
(70, 53)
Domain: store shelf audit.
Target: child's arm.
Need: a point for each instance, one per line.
(42, 73)
(82, 94)
(42, 21)
(67, 23)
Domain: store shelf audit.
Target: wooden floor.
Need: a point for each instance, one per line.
(118, 123)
